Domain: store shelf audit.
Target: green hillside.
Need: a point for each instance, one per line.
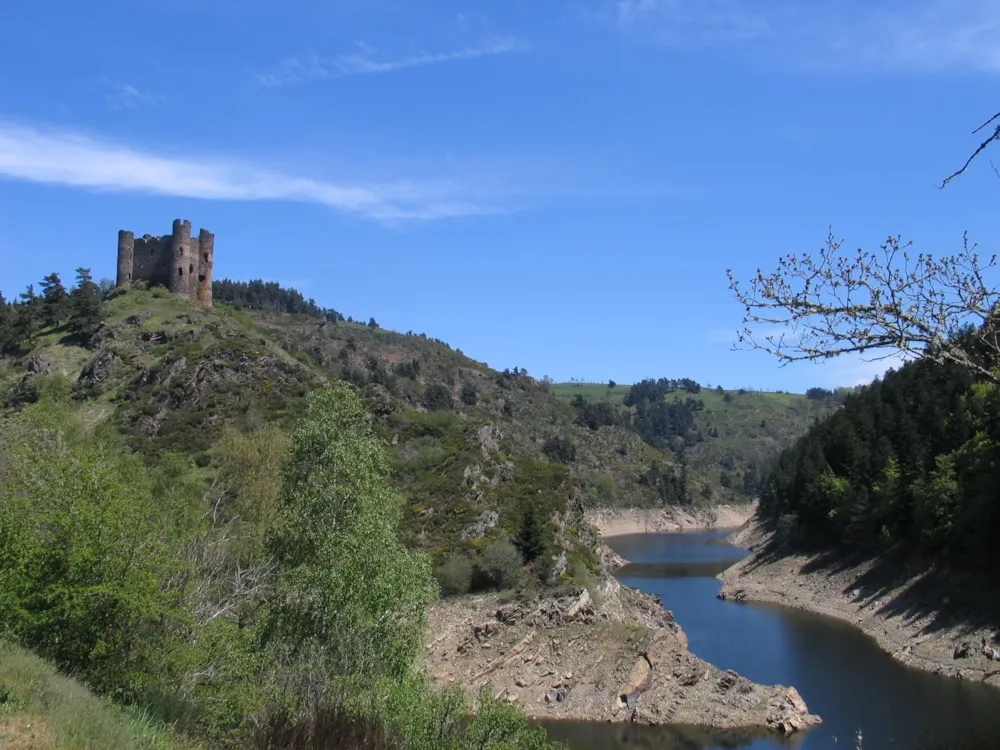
(188, 501)
(735, 437)
(44, 710)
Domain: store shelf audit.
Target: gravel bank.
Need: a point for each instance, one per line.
(619, 522)
(923, 616)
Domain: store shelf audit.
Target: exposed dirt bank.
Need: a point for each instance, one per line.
(618, 522)
(925, 617)
(619, 658)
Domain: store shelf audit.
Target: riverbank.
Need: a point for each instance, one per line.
(622, 521)
(617, 657)
(924, 617)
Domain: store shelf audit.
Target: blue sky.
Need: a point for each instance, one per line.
(559, 186)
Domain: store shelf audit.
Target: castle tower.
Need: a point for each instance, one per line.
(206, 252)
(126, 257)
(182, 261)
(177, 261)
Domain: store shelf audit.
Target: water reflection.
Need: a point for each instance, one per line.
(609, 735)
(841, 673)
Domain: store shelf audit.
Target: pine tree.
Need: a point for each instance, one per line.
(27, 318)
(7, 328)
(85, 305)
(529, 539)
(55, 300)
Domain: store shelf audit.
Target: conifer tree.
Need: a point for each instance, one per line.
(27, 318)
(529, 540)
(55, 300)
(85, 304)
(7, 328)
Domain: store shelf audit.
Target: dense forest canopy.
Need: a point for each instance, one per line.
(269, 295)
(913, 459)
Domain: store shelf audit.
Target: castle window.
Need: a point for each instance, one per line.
(182, 252)
(201, 278)
(204, 257)
(180, 271)
(152, 252)
(191, 268)
(128, 277)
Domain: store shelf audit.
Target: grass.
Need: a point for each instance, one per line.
(41, 709)
(593, 392)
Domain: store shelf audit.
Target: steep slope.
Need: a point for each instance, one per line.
(472, 447)
(43, 710)
(469, 439)
(885, 515)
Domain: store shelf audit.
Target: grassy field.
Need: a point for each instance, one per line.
(41, 709)
(593, 392)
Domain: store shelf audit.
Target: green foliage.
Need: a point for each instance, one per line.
(530, 539)
(55, 300)
(437, 397)
(84, 305)
(560, 448)
(454, 575)
(913, 459)
(268, 295)
(501, 562)
(85, 556)
(470, 396)
(72, 718)
(349, 590)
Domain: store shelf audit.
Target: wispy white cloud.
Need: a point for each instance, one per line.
(833, 34)
(127, 96)
(366, 60)
(688, 22)
(78, 160)
(861, 369)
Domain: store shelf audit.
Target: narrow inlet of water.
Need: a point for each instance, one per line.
(841, 673)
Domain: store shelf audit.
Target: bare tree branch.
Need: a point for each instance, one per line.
(982, 147)
(815, 308)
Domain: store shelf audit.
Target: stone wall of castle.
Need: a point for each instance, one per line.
(178, 261)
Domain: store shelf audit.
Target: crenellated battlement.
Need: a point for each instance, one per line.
(178, 261)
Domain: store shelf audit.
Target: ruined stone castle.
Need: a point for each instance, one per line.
(177, 261)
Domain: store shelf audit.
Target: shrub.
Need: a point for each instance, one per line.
(470, 396)
(84, 553)
(437, 397)
(561, 449)
(501, 562)
(454, 575)
(325, 726)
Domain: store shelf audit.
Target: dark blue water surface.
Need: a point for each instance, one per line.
(840, 672)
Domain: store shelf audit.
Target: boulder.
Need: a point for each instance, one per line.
(788, 713)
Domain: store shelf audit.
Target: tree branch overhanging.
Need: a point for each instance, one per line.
(995, 136)
(888, 301)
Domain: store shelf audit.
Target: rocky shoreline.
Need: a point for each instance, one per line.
(925, 618)
(621, 521)
(613, 655)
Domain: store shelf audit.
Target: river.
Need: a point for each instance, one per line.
(840, 672)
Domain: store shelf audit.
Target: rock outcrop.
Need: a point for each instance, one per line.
(611, 655)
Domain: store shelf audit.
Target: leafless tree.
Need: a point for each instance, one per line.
(994, 136)
(886, 302)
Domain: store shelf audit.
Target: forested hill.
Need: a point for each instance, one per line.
(478, 452)
(912, 460)
(729, 439)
